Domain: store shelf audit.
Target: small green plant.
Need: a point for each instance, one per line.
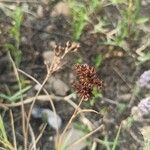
(3, 136)
(84, 130)
(17, 18)
(97, 95)
(101, 26)
(121, 107)
(108, 144)
(79, 60)
(115, 143)
(117, 1)
(81, 12)
(144, 57)
(130, 19)
(98, 60)
(15, 97)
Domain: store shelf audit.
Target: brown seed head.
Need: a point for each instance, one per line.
(86, 80)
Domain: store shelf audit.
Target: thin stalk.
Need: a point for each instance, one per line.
(49, 73)
(22, 104)
(40, 135)
(87, 135)
(69, 122)
(13, 130)
(33, 102)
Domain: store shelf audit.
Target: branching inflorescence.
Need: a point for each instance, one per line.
(87, 80)
(60, 52)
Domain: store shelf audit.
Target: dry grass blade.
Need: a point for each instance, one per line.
(13, 129)
(40, 135)
(1, 148)
(29, 100)
(68, 124)
(87, 110)
(87, 135)
(33, 102)
(94, 145)
(33, 137)
(22, 104)
(4, 106)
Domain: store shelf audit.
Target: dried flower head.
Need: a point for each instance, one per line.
(87, 80)
(69, 47)
(59, 53)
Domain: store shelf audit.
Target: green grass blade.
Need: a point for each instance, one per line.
(3, 134)
(116, 139)
(3, 96)
(107, 143)
(18, 94)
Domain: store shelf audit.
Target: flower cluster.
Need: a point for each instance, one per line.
(145, 79)
(87, 80)
(144, 106)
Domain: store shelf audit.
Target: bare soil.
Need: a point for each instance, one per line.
(119, 73)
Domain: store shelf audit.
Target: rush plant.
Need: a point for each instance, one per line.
(86, 80)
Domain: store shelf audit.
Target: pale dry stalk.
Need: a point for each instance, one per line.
(22, 103)
(58, 145)
(60, 53)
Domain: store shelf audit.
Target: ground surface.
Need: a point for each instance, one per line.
(40, 31)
